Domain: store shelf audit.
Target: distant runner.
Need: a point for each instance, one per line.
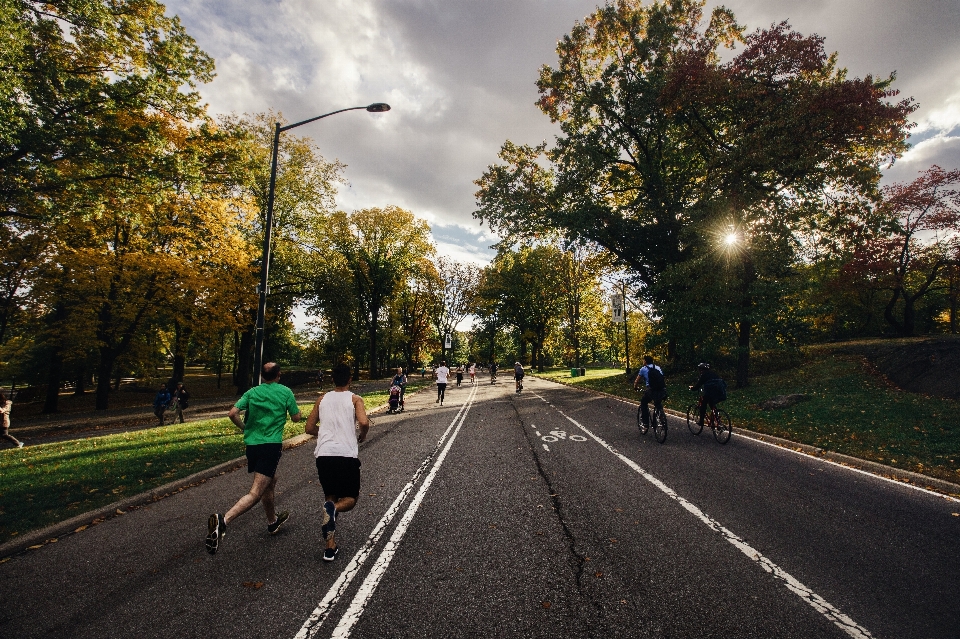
(267, 406)
(473, 372)
(441, 373)
(334, 421)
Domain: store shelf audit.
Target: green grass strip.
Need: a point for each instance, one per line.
(43, 484)
(850, 410)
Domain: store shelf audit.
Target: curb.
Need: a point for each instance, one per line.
(54, 532)
(889, 472)
(51, 534)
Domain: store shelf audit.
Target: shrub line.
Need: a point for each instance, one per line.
(904, 476)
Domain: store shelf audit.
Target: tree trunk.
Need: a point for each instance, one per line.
(374, 364)
(745, 324)
(104, 372)
(81, 385)
(54, 373)
(181, 342)
(244, 371)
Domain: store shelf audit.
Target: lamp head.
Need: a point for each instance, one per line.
(378, 107)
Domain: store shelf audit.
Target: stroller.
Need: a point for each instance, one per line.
(396, 399)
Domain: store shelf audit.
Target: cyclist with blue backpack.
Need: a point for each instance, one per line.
(655, 387)
(711, 386)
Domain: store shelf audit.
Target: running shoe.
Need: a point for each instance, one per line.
(20, 445)
(275, 526)
(331, 553)
(217, 528)
(329, 519)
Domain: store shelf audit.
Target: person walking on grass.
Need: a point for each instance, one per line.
(340, 423)
(267, 406)
(441, 373)
(5, 407)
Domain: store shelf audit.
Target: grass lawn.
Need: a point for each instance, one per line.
(850, 410)
(47, 483)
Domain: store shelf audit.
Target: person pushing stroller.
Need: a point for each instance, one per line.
(398, 387)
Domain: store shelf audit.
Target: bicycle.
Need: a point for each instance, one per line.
(717, 419)
(658, 420)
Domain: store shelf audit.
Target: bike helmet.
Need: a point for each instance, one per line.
(703, 365)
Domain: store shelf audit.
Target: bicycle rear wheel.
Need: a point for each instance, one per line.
(723, 429)
(643, 427)
(659, 422)
(693, 415)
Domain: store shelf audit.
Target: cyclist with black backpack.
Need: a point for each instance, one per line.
(655, 387)
(711, 386)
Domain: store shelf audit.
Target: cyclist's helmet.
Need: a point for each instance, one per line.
(703, 365)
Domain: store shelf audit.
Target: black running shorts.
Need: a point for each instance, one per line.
(264, 458)
(339, 476)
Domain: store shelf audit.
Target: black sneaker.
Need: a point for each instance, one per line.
(275, 526)
(331, 553)
(329, 519)
(217, 528)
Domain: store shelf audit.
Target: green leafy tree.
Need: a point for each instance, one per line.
(661, 139)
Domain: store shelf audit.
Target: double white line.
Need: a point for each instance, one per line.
(312, 625)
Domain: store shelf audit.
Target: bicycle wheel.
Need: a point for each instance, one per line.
(643, 427)
(659, 420)
(723, 428)
(693, 414)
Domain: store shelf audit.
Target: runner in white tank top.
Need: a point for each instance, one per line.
(334, 420)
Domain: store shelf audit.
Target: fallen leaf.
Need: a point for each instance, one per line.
(546, 604)
(598, 574)
(612, 540)
(120, 512)
(955, 514)
(256, 585)
(80, 529)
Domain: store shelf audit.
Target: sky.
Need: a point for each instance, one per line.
(460, 78)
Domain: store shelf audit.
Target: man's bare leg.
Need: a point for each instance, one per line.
(341, 505)
(262, 489)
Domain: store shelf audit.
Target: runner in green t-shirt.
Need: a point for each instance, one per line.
(267, 406)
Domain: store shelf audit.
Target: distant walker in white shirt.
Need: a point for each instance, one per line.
(441, 373)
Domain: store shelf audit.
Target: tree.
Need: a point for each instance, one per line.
(72, 73)
(906, 242)
(381, 248)
(528, 286)
(662, 140)
(454, 294)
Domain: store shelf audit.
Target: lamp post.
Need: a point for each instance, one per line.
(376, 107)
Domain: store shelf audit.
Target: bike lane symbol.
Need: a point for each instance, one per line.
(557, 435)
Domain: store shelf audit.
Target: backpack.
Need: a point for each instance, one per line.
(717, 389)
(655, 379)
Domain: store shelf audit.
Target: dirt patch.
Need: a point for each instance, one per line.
(926, 365)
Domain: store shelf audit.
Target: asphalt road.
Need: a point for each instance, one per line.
(544, 514)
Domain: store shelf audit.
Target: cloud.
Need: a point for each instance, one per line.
(460, 76)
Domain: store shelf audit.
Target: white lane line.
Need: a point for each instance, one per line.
(902, 484)
(546, 448)
(312, 625)
(752, 438)
(818, 603)
(369, 585)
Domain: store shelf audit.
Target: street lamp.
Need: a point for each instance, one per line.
(376, 107)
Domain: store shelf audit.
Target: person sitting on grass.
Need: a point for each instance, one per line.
(339, 422)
